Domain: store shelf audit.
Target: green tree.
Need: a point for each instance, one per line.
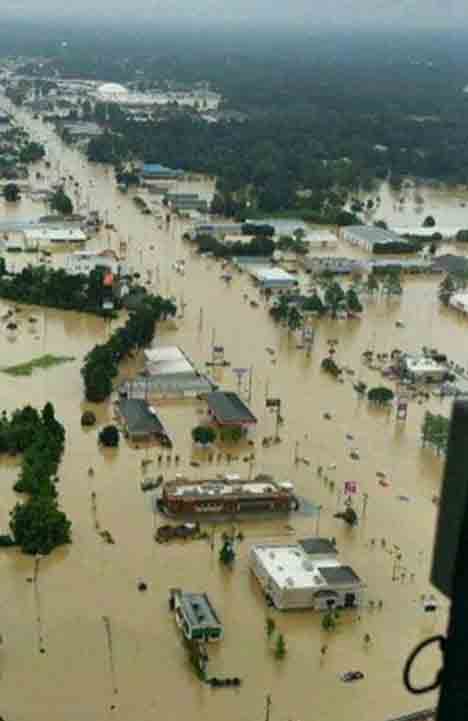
(38, 526)
(204, 435)
(329, 366)
(2, 267)
(280, 310)
(329, 621)
(109, 436)
(11, 193)
(380, 395)
(372, 283)
(31, 153)
(61, 203)
(280, 648)
(392, 282)
(435, 431)
(313, 304)
(227, 554)
(270, 627)
(448, 286)
(462, 236)
(334, 298)
(429, 222)
(353, 303)
(294, 318)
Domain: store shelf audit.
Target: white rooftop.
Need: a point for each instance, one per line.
(290, 567)
(221, 488)
(423, 364)
(55, 234)
(320, 236)
(167, 360)
(267, 274)
(460, 301)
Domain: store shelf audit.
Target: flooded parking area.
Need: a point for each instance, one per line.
(113, 651)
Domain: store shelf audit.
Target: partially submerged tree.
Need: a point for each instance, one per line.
(11, 193)
(204, 435)
(109, 436)
(61, 203)
(380, 395)
(38, 525)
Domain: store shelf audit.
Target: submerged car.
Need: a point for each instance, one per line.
(350, 676)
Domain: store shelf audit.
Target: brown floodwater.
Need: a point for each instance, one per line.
(110, 651)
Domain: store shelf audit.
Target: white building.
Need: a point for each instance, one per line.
(447, 233)
(424, 369)
(272, 278)
(42, 236)
(459, 301)
(166, 360)
(85, 261)
(295, 576)
(320, 239)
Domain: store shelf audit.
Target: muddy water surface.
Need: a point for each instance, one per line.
(113, 652)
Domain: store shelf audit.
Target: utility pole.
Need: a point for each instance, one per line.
(213, 341)
(296, 453)
(250, 384)
(317, 520)
(365, 498)
(267, 707)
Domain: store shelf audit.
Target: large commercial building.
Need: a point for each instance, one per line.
(305, 575)
(273, 278)
(85, 261)
(368, 236)
(168, 374)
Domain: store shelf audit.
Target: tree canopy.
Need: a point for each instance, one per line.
(61, 203)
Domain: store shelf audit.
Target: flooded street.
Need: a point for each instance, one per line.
(113, 652)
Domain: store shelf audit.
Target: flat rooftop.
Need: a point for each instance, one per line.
(290, 567)
(266, 274)
(423, 364)
(211, 489)
(167, 360)
(318, 546)
(198, 609)
(370, 233)
(229, 409)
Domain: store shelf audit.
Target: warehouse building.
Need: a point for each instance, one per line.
(368, 236)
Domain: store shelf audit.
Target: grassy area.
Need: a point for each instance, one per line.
(43, 361)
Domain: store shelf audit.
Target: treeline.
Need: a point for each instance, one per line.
(101, 364)
(394, 248)
(37, 525)
(258, 246)
(56, 289)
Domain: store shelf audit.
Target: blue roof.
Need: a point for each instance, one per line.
(157, 168)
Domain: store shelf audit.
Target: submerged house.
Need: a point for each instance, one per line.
(195, 616)
(141, 421)
(227, 410)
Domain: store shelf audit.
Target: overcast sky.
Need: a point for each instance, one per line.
(401, 13)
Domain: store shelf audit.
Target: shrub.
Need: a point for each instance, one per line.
(109, 437)
(204, 435)
(88, 419)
